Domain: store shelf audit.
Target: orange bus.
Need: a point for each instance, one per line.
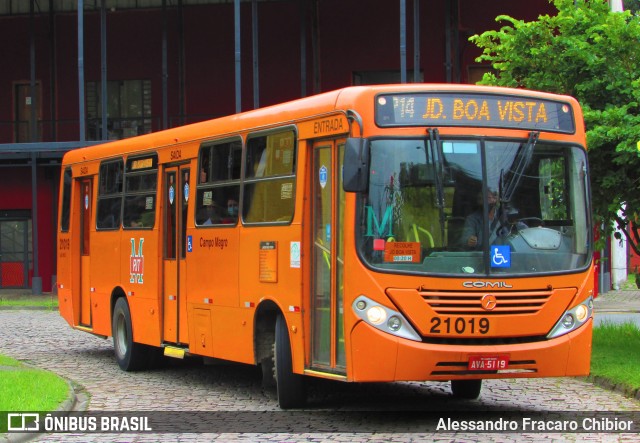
(384, 233)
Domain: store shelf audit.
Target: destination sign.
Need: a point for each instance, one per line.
(137, 164)
(483, 110)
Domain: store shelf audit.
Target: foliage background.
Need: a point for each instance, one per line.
(593, 54)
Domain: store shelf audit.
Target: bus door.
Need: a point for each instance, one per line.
(327, 257)
(85, 249)
(175, 209)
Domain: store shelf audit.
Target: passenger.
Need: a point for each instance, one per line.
(232, 211)
(212, 214)
(145, 215)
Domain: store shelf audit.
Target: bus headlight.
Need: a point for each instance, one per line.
(376, 315)
(394, 323)
(581, 313)
(568, 321)
(573, 318)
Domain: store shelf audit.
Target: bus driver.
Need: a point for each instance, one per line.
(473, 231)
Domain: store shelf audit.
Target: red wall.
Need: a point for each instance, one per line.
(353, 36)
(16, 194)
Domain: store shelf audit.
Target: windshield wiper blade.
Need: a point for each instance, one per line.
(436, 155)
(435, 147)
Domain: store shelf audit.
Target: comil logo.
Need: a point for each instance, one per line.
(136, 262)
(486, 284)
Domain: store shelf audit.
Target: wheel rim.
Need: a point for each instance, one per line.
(121, 336)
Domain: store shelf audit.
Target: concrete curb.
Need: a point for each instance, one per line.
(620, 388)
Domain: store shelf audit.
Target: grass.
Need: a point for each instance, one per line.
(47, 301)
(6, 361)
(616, 355)
(23, 388)
(630, 283)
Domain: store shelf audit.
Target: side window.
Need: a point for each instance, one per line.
(66, 201)
(269, 186)
(110, 195)
(218, 191)
(553, 189)
(141, 182)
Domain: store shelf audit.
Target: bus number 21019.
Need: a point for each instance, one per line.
(459, 325)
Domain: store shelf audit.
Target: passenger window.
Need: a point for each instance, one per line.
(553, 189)
(110, 195)
(66, 201)
(218, 193)
(269, 186)
(140, 192)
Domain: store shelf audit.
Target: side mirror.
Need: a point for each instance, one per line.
(355, 171)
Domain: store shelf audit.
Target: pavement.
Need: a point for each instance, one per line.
(46, 341)
(624, 300)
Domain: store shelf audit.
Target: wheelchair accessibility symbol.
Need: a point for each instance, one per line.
(500, 257)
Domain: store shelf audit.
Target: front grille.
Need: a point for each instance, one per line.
(470, 303)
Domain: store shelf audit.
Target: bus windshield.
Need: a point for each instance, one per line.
(475, 206)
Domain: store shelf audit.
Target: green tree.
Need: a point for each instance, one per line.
(593, 54)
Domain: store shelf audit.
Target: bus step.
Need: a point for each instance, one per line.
(172, 351)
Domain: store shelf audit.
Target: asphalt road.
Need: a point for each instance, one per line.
(233, 406)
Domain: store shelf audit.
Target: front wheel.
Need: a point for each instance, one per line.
(131, 356)
(467, 389)
(290, 386)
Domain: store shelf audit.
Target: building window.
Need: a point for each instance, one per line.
(128, 109)
(16, 249)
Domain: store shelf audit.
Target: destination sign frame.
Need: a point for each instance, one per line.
(474, 110)
(142, 163)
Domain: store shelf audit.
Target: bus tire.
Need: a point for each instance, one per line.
(289, 386)
(131, 356)
(466, 389)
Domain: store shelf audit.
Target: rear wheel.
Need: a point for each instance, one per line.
(131, 356)
(467, 389)
(290, 386)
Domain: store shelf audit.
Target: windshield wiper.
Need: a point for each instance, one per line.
(436, 155)
(435, 147)
(520, 163)
(507, 187)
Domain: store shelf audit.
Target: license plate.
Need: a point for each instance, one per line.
(488, 362)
